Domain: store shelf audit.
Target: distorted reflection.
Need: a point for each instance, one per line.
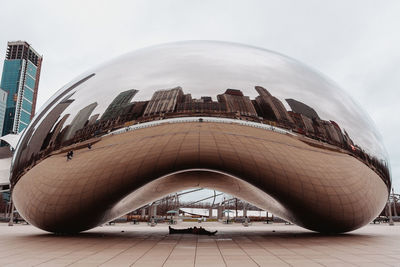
(196, 79)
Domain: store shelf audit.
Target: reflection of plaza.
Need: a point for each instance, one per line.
(125, 171)
(302, 120)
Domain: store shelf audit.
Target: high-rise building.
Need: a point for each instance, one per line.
(202, 105)
(80, 119)
(163, 101)
(235, 101)
(271, 107)
(303, 123)
(41, 137)
(20, 79)
(302, 108)
(3, 105)
(117, 106)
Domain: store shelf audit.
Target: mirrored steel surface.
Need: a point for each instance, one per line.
(209, 81)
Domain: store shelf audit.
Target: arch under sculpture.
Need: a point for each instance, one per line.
(166, 118)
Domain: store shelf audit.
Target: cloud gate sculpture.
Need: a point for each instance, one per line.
(239, 119)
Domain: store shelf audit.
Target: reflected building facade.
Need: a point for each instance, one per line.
(302, 108)
(235, 102)
(304, 163)
(163, 101)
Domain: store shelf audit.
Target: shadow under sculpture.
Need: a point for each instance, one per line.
(316, 162)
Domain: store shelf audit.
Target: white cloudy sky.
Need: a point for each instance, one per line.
(356, 43)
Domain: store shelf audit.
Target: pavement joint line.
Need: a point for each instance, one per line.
(68, 253)
(146, 252)
(86, 256)
(166, 259)
(289, 245)
(195, 251)
(133, 245)
(219, 249)
(233, 240)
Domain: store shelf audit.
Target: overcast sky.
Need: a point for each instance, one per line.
(355, 43)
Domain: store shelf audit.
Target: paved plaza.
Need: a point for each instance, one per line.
(234, 245)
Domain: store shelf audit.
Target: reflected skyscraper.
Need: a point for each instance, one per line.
(118, 104)
(235, 101)
(271, 107)
(40, 138)
(79, 121)
(302, 108)
(163, 101)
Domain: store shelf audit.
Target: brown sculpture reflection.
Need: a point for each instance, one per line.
(86, 128)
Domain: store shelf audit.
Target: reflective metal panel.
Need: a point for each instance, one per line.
(201, 81)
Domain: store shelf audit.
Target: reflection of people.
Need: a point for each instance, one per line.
(191, 230)
(70, 154)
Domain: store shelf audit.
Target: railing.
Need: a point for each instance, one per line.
(199, 119)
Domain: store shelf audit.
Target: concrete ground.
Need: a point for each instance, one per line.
(234, 245)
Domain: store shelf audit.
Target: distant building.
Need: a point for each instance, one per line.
(164, 101)
(331, 132)
(303, 123)
(116, 107)
(93, 119)
(56, 137)
(187, 98)
(320, 130)
(271, 107)
(133, 111)
(79, 121)
(302, 108)
(235, 101)
(3, 106)
(202, 105)
(339, 133)
(41, 136)
(20, 79)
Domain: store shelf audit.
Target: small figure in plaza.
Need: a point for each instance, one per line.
(191, 230)
(152, 221)
(246, 221)
(89, 146)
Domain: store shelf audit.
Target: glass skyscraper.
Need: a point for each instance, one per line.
(20, 79)
(3, 105)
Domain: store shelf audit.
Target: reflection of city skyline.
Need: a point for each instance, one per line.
(171, 103)
(265, 107)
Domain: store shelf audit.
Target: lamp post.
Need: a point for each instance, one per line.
(11, 221)
(390, 213)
